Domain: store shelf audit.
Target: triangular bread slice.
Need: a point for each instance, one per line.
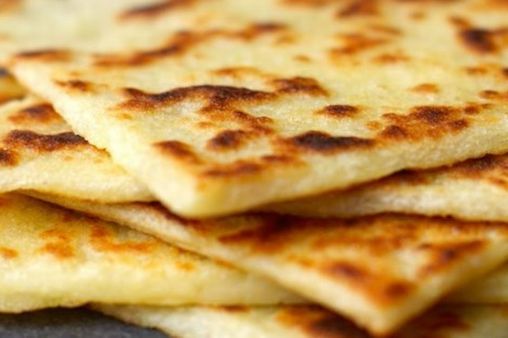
(473, 321)
(378, 271)
(243, 110)
(51, 257)
(38, 150)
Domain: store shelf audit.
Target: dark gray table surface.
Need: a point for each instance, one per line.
(66, 323)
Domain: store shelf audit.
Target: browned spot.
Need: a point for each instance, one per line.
(355, 43)
(228, 140)
(302, 58)
(476, 167)
(476, 70)
(38, 142)
(443, 256)
(179, 151)
(438, 321)
(8, 157)
(478, 40)
(504, 71)
(235, 309)
(389, 58)
(183, 41)
(237, 168)
(155, 9)
(494, 95)
(299, 85)
(339, 111)
(59, 250)
(385, 290)
(215, 96)
(426, 88)
(76, 85)
(50, 55)
(317, 322)
(102, 240)
(320, 142)
(359, 8)
(40, 113)
(9, 5)
(249, 167)
(238, 72)
(8, 253)
(55, 234)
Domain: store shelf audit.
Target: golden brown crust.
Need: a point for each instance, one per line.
(26, 139)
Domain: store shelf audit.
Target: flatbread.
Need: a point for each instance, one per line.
(307, 322)
(378, 271)
(476, 189)
(52, 257)
(39, 151)
(257, 103)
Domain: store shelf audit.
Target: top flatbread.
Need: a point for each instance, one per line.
(39, 151)
(258, 103)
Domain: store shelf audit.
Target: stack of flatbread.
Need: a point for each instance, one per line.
(258, 168)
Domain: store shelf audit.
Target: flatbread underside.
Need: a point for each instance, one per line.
(378, 271)
(290, 111)
(307, 322)
(52, 257)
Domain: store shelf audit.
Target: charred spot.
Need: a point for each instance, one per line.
(394, 133)
(179, 151)
(76, 85)
(432, 115)
(478, 40)
(426, 88)
(8, 158)
(228, 140)
(299, 85)
(439, 319)
(155, 9)
(359, 8)
(335, 326)
(43, 143)
(51, 55)
(446, 254)
(339, 111)
(215, 96)
(320, 142)
(40, 113)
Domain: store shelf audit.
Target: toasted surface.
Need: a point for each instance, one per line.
(294, 109)
(39, 151)
(379, 270)
(307, 322)
(52, 257)
(476, 189)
